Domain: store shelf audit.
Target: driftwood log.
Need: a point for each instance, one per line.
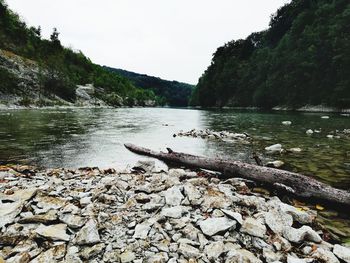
(299, 185)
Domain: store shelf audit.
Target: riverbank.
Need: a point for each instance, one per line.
(145, 215)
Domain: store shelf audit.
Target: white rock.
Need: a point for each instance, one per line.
(295, 150)
(325, 117)
(330, 136)
(305, 233)
(291, 259)
(158, 258)
(53, 232)
(127, 256)
(274, 148)
(141, 230)
(241, 255)
(302, 217)
(309, 132)
(325, 256)
(9, 211)
(173, 196)
(193, 195)
(212, 226)
(173, 212)
(147, 166)
(342, 253)
(73, 221)
(234, 215)
(276, 220)
(189, 251)
(89, 252)
(287, 123)
(253, 227)
(214, 250)
(88, 235)
(275, 164)
(85, 201)
(19, 195)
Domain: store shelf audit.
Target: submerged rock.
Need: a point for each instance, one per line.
(274, 148)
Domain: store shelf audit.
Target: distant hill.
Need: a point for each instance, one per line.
(38, 71)
(173, 93)
(302, 59)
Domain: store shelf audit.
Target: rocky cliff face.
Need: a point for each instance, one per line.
(29, 91)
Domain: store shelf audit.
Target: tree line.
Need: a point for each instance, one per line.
(303, 58)
(64, 68)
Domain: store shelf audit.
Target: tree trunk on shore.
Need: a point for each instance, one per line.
(300, 185)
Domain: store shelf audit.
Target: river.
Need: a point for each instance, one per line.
(75, 138)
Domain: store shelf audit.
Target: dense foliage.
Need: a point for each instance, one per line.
(63, 67)
(302, 59)
(173, 93)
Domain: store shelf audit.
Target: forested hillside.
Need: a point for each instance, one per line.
(303, 58)
(173, 93)
(57, 69)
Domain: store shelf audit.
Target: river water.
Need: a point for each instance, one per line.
(94, 137)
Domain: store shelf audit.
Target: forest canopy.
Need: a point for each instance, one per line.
(303, 58)
(65, 67)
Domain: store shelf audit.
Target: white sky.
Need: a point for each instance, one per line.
(171, 39)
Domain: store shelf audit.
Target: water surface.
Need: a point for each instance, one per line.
(95, 137)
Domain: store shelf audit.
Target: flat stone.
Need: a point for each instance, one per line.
(145, 166)
(88, 235)
(89, 252)
(300, 216)
(342, 252)
(141, 230)
(324, 255)
(23, 257)
(189, 251)
(214, 250)
(73, 221)
(173, 212)
(193, 194)
(158, 258)
(234, 215)
(85, 201)
(276, 220)
(292, 259)
(212, 226)
(48, 217)
(19, 195)
(241, 255)
(127, 256)
(9, 211)
(53, 232)
(305, 233)
(55, 254)
(190, 232)
(253, 227)
(46, 203)
(173, 196)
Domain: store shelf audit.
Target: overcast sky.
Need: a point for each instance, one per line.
(171, 39)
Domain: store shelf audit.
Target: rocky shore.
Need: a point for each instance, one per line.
(145, 215)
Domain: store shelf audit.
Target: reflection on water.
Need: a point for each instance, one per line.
(95, 137)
